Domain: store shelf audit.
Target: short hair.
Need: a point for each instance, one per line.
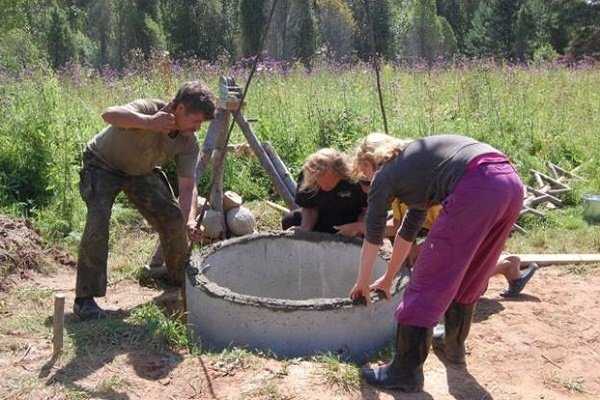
(196, 97)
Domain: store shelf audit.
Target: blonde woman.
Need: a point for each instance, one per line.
(326, 194)
(481, 196)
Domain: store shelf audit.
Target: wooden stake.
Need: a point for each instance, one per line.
(58, 323)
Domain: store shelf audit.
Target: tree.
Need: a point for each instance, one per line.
(101, 25)
(198, 28)
(18, 51)
(139, 27)
(336, 27)
(373, 32)
(252, 21)
(425, 40)
(449, 42)
(456, 14)
(492, 31)
(60, 38)
(303, 32)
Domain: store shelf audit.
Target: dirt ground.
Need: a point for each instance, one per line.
(545, 345)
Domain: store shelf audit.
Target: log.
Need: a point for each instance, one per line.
(210, 140)
(282, 170)
(221, 122)
(58, 323)
(558, 259)
(264, 159)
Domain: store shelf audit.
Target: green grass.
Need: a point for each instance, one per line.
(343, 376)
(533, 114)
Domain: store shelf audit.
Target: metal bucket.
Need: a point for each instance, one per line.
(591, 207)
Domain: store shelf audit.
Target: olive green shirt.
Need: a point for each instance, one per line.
(138, 151)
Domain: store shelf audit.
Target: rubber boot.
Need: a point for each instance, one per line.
(87, 309)
(405, 372)
(457, 323)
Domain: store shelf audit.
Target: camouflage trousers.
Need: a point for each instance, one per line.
(152, 196)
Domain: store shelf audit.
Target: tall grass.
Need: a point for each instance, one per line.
(534, 114)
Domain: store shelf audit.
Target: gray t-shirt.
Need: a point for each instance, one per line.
(138, 151)
(424, 174)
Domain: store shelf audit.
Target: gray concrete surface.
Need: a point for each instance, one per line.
(287, 293)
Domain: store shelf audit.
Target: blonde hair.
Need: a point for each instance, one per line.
(321, 161)
(377, 149)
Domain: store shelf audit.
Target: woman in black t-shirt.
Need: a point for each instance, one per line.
(326, 194)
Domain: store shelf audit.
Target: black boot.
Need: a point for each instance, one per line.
(405, 372)
(457, 323)
(86, 308)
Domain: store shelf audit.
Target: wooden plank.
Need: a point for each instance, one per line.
(538, 179)
(570, 174)
(277, 207)
(526, 210)
(554, 200)
(264, 159)
(550, 180)
(519, 229)
(553, 171)
(558, 259)
(282, 170)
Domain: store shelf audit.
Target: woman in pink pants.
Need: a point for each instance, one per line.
(481, 195)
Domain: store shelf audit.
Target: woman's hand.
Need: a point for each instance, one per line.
(383, 284)
(350, 230)
(361, 291)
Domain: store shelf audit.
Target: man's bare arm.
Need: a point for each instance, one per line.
(188, 199)
(126, 117)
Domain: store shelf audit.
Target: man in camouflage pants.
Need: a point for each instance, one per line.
(126, 156)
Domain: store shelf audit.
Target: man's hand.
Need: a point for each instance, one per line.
(163, 122)
(195, 232)
(350, 230)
